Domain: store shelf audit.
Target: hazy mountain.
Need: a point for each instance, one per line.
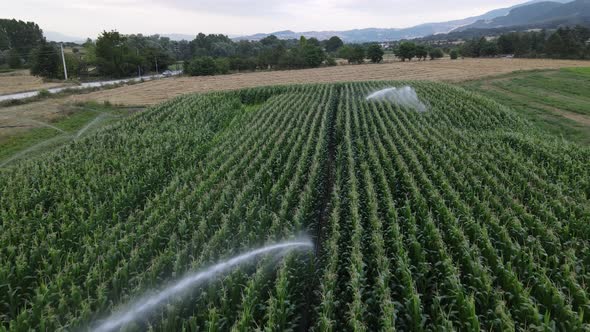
(376, 34)
(60, 37)
(545, 14)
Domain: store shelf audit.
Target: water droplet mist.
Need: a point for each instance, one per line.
(139, 309)
(405, 96)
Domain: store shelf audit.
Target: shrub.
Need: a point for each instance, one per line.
(454, 54)
(436, 53)
(202, 66)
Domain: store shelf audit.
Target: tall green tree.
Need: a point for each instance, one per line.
(421, 52)
(554, 46)
(113, 56)
(405, 50)
(14, 59)
(375, 53)
(4, 42)
(23, 37)
(334, 44)
(353, 53)
(46, 61)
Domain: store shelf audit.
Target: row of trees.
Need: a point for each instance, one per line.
(409, 50)
(17, 40)
(564, 43)
(112, 55)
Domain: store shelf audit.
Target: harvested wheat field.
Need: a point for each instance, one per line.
(441, 70)
(21, 81)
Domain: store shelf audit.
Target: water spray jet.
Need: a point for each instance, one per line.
(147, 304)
(405, 96)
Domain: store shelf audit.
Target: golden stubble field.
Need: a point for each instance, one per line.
(16, 119)
(154, 92)
(21, 81)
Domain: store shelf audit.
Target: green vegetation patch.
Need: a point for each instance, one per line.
(71, 122)
(464, 216)
(557, 101)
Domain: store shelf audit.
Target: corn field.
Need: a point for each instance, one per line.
(464, 217)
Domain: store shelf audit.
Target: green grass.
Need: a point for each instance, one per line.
(582, 71)
(71, 123)
(17, 143)
(540, 95)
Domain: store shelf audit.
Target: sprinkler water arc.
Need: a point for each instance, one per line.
(145, 305)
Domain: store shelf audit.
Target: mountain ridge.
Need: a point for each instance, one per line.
(392, 34)
(540, 14)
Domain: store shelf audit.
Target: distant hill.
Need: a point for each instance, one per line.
(542, 14)
(377, 34)
(60, 37)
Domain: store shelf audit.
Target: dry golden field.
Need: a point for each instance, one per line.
(21, 81)
(154, 92)
(18, 119)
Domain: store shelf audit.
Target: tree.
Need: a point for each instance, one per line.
(405, 50)
(21, 36)
(14, 59)
(222, 66)
(113, 56)
(4, 42)
(313, 55)
(375, 53)
(313, 42)
(353, 53)
(489, 49)
(89, 51)
(72, 65)
(506, 43)
(202, 66)
(454, 54)
(46, 61)
(334, 44)
(435, 53)
(271, 40)
(421, 52)
(554, 46)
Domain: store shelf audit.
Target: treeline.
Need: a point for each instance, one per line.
(218, 54)
(563, 43)
(17, 40)
(111, 55)
(409, 50)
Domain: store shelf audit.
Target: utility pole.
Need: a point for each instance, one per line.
(138, 66)
(63, 58)
(157, 72)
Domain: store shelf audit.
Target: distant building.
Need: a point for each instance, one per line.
(588, 42)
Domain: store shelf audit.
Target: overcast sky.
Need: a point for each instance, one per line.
(87, 18)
